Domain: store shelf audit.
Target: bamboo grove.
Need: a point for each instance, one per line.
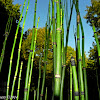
(54, 30)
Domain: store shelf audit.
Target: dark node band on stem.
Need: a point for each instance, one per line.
(18, 89)
(41, 95)
(76, 93)
(33, 26)
(98, 56)
(78, 39)
(79, 60)
(15, 76)
(72, 61)
(95, 32)
(83, 68)
(82, 93)
(26, 89)
(82, 37)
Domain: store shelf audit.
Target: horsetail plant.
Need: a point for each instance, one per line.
(12, 52)
(75, 81)
(19, 80)
(83, 58)
(39, 78)
(30, 55)
(19, 50)
(58, 67)
(7, 31)
(32, 61)
(80, 74)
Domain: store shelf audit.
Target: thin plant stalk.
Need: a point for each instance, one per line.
(46, 94)
(32, 61)
(70, 82)
(7, 31)
(75, 81)
(12, 52)
(34, 94)
(19, 80)
(58, 67)
(39, 78)
(80, 73)
(19, 50)
(30, 55)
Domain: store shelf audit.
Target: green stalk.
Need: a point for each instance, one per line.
(70, 82)
(68, 27)
(63, 56)
(39, 78)
(7, 31)
(32, 61)
(34, 94)
(19, 80)
(46, 53)
(46, 94)
(58, 67)
(11, 58)
(83, 58)
(97, 42)
(75, 81)
(98, 49)
(19, 50)
(81, 84)
(30, 55)
(45, 63)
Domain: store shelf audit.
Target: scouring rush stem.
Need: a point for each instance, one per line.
(12, 52)
(19, 50)
(29, 83)
(30, 55)
(18, 89)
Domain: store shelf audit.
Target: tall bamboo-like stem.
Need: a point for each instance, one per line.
(45, 63)
(46, 52)
(32, 61)
(63, 56)
(19, 50)
(39, 78)
(30, 55)
(19, 80)
(80, 73)
(97, 42)
(75, 81)
(34, 94)
(70, 82)
(46, 94)
(11, 58)
(7, 31)
(83, 58)
(68, 27)
(98, 49)
(58, 67)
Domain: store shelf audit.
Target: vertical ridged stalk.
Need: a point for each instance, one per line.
(7, 31)
(46, 94)
(83, 58)
(29, 83)
(19, 50)
(11, 58)
(63, 56)
(58, 67)
(70, 82)
(75, 81)
(80, 73)
(39, 78)
(19, 80)
(34, 94)
(30, 55)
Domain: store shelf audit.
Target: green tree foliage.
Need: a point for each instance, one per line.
(93, 13)
(92, 61)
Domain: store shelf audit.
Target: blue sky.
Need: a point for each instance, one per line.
(42, 10)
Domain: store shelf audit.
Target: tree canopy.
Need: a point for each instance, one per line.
(93, 14)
